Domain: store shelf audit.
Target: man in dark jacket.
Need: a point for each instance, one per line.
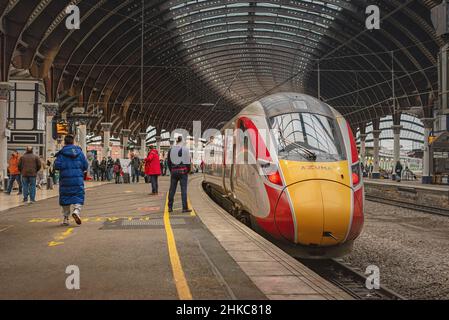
(96, 169)
(29, 165)
(135, 168)
(72, 163)
(398, 171)
(180, 166)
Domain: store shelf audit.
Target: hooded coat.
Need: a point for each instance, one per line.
(152, 164)
(72, 164)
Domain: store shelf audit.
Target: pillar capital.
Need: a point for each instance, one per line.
(126, 133)
(158, 138)
(5, 88)
(106, 126)
(396, 129)
(143, 135)
(428, 122)
(363, 136)
(376, 133)
(51, 108)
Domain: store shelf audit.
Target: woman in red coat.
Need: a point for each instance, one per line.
(153, 169)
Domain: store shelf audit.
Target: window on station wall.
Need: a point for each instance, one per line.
(26, 111)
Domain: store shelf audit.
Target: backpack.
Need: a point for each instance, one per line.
(116, 168)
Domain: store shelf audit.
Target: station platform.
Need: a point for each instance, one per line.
(130, 247)
(411, 194)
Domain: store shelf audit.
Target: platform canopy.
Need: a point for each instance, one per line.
(193, 50)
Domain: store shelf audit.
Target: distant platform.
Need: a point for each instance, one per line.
(409, 194)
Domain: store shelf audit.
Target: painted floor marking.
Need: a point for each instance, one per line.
(58, 239)
(178, 273)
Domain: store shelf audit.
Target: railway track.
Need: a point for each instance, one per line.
(348, 279)
(407, 205)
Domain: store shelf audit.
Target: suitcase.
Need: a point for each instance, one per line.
(126, 178)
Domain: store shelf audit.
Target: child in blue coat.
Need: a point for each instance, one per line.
(71, 163)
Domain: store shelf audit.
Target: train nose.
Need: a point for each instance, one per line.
(321, 211)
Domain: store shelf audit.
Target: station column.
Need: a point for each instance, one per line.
(158, 144)
(376, 149)
(82, 136)
(5, 88)
(125, 135)
(143, 144)
(396, 146)
(51, 109)
(363, 148)
(106, 126)
(426, 171)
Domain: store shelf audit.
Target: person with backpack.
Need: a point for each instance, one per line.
(180, 166)
(72, 164)
(153, 169)
(117, 169)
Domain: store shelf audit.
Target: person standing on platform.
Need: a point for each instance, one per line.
(153, 169)
(14, 172)
(96, 169)
(103, 166)
(41, 174)
(71, 163)
(135, 168)
(109, 168)
(398, 171)
(29, 165)
(117, 171)
(180, 166)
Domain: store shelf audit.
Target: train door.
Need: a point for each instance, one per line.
(227, 159)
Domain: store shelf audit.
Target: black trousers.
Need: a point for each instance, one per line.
(154, 184)
(183, 180)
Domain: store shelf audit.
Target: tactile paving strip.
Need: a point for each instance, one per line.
(124, 224)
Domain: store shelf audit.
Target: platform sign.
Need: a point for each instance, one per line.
(62, 128)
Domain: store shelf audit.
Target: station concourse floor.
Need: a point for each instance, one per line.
(129, 247)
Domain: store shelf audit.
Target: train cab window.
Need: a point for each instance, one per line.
(308, 137)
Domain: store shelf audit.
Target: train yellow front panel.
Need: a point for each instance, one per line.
(337, 210)
(295, 171)
(307, 204)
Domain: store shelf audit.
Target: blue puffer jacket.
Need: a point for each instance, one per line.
(71, 163)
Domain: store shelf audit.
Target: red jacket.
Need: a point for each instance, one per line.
(13, 165)
(152, 164)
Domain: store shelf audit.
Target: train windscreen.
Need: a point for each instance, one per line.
(307, 137)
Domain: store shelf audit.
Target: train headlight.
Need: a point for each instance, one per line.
(275, 178)
(356, 174)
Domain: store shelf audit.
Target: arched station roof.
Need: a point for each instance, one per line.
(194, 49)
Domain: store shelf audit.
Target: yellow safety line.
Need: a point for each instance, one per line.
(178, 273)
(193, 213)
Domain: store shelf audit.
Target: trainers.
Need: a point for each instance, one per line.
(77, 218)
(186, 210)
(66, 222)
(170, 210)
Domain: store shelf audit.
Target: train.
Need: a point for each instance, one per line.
(287, 165)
